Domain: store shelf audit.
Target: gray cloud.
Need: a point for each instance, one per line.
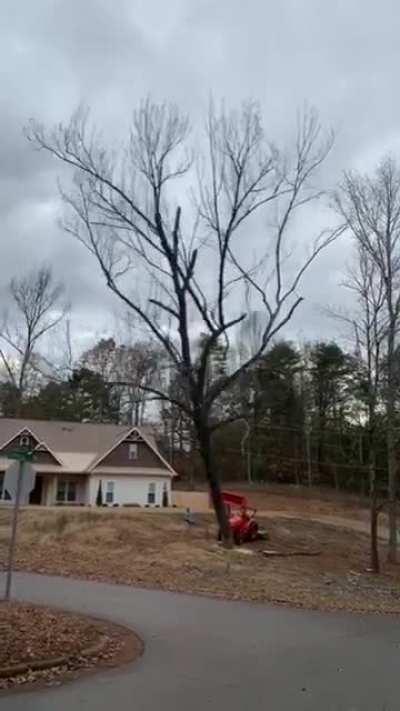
(341, 56)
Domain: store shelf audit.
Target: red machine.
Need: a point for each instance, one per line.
(241, 518)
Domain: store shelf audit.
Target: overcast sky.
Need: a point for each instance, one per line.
(342, 56)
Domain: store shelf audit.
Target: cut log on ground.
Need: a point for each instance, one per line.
(286, 554)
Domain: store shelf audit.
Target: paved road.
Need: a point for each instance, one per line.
(206, 654)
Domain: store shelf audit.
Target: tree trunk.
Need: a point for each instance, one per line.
(18, 402)
(392, 486)
(193, 459)
(204, 437)
(321, 448)
(374, 511)
(309, 462)
(336, 477)
(391, 449)
(137, 413)
(297, 457)
(374, 535)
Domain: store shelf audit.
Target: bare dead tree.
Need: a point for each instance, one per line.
(36, 309)
(59, 361)
(126, 209)
(370, 206)
(368, 324)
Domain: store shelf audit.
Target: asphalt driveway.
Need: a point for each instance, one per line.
(204, 654)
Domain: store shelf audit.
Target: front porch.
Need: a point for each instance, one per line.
(59, 490)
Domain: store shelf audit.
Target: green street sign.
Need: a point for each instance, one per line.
(21, 455)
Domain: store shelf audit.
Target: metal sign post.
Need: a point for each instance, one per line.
(23, 457)
(13, 537)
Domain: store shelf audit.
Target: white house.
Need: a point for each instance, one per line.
(74, 461)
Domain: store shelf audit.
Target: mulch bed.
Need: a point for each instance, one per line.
(40, 645)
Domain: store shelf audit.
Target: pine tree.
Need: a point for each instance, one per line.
(99, 497)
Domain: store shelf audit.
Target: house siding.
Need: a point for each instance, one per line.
(44, 458)
(119, 457)
(130, 490)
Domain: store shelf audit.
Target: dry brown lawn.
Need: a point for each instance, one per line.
(154, 549)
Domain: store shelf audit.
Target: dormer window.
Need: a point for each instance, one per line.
(132, 451)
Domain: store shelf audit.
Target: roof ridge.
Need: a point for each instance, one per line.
(74, 422)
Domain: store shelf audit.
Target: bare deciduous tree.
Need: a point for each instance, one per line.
(36, 309)
(127, 210)
(129, 369)
(368, 328)
(370, 206)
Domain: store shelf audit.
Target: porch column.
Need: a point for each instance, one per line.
(83, 491)
(49, 490)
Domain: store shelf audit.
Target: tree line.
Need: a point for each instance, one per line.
(298, 415)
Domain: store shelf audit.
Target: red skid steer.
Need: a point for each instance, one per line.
(242, 521)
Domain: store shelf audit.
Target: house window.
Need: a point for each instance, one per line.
(24, 441)
(66, 491)
(110, 492)
(151, 494)
(133, 451)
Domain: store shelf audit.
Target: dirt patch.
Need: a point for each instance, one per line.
(155, 549)
(40, 645)
(303, 500)
(299, 501)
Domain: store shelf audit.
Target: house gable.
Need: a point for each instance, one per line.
(27, 438)
(121, 454)
(44, 456)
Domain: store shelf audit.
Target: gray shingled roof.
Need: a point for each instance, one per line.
(75, 444)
